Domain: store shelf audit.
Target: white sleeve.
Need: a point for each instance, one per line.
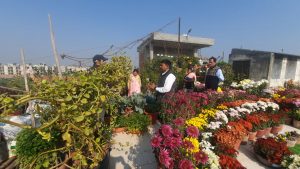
(168, 84)
(220, 75)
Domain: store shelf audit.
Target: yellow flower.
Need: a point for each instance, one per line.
(281, 89)
(200, 122)
(219, 90)
(209, 112)
(276, 96)
(283, 97)
(196, 144)
(222, 107)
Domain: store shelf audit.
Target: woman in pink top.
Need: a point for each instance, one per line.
(134, 83)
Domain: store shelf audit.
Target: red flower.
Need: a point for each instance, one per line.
(201, 157)
(192, 131)
(187, 144)
(179, 121)
(186, 164)
(164, 158)
(229, 162)
(166, 130)
(155, 141)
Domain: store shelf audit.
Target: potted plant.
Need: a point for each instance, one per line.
(277, 123)
(255, 121)
(296, 118)
(137, 123)
(270, 151)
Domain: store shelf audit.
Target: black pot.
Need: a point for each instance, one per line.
(104, 164)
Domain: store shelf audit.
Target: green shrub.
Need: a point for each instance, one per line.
(30, 145)
(137, 122)
(133, 122)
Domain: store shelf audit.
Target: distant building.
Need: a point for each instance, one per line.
(273, 66)
(162, 44)
(13, 70)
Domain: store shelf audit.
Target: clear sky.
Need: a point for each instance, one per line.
(86, 27)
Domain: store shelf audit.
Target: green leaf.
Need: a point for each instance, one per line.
(84, 101)
(79, 118)
(87, 95)
(103, 98)
(69, 98)
(67, 137)
(46, 163)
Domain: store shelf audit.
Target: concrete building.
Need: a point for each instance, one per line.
(275, 67)
(163, 44)
(13, 70)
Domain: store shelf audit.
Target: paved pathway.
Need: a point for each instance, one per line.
(130, 151)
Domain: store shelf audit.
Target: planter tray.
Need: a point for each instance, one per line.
(266, 162)
(10, 163)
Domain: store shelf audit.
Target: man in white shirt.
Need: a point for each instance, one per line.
(166, 82)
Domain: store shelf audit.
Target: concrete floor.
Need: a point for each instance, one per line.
(131, 151)
(135, 152)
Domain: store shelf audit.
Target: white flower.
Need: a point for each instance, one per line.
(213, 159)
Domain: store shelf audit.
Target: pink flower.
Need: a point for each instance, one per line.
(201, 157)
(192, 131)
(186, 164)
(166, 130)
(164, 158)
(155, 141)
(168, 142)
(187, 144)
(176, 133)
(179, 121)
(176, 142)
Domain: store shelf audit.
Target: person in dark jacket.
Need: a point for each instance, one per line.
(214, 75)
(98, 60)
(166, 82)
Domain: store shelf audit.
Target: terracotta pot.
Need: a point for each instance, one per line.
(137, 132)
(291, 143)
(245, 139)
(276, 129)
(237, 145)
(252, 136)
(119, 129)
(268, 131)
(296, 123)
(260, 133)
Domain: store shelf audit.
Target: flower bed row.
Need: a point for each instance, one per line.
(205, 129)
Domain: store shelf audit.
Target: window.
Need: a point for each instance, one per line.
(18, 70)
(1, 70)
(10, 71)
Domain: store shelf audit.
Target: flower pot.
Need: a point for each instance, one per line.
(252, 136)
(237, 145)
(296, 123)
(260, 133)
(245, 139)
(291, 143)
(266, 162)
(268, 131)
(119, 129)
(137, 132)
(276, 129)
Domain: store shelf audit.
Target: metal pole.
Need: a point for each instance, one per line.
(54, 47)
(24, 70)
(178, 52)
